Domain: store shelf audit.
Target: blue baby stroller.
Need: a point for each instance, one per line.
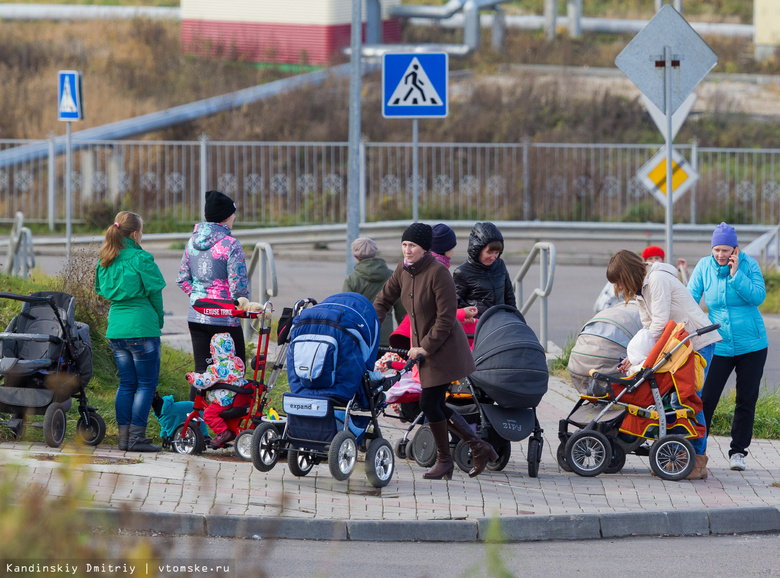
(335, 398)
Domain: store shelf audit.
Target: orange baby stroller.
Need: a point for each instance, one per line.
(660, 402)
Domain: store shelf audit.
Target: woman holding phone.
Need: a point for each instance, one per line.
(733, 287)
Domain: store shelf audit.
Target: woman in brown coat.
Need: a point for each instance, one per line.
(427, 292)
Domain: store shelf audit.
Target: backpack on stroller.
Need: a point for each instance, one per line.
(46, 362)
(659, 403)
(335, 398)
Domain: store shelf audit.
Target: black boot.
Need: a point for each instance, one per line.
(481, 451)
(138, 442)
(444, 465)
(124, 434)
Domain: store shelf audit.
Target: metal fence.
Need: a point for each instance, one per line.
(293, 183)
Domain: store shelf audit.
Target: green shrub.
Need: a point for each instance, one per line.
(767, 422)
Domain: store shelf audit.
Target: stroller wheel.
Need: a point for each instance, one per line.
(672, 458)
(54, 422)
(561, 456)
(588, 453)
(265, 447)
(380, 463)
(504, 452)
(342, 455)
(18, 427)
(400, 448)
(462, 456)
(91, 433)
(189, 441)
(424, 447)
(534, 456)
(299, 462)
(243, 445)
(618, 460)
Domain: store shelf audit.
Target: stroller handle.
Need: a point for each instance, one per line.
(247, 390)
(707, 329)
(401, 352)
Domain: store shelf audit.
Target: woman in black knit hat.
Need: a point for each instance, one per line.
(427, 292)
(213, 265)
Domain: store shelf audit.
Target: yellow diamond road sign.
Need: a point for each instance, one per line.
(653, 176)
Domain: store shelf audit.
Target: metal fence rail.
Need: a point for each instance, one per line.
(295, 183)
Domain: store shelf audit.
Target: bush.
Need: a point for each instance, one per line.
(767, 423)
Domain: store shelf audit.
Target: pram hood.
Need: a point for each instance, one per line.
(602, 341)
(332, 345)
(511, 363)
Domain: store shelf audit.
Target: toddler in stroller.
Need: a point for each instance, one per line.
(660, 404)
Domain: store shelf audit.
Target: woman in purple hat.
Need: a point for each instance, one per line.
(733, 287)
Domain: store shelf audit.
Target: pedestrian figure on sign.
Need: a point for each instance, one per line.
(415, 80)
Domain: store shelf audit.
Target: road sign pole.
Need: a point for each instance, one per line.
(669, 153)
(415, 171)
(353, 182)
(68, 194)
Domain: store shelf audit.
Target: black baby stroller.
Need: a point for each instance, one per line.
(509, 382)
(46, 362)
(335, 396)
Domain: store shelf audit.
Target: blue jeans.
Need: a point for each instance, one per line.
(700, 444)
(138, 362)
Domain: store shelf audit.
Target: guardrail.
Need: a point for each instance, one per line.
(766, 249)
(546, 280)
(262, 257)
(21, 254)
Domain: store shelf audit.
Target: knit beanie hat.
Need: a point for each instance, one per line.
(419, 234)
(218, 207)
(363, 248)
(443, 239)
(724, 235)
(653, 251)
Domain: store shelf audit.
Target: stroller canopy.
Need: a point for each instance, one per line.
(332, 345)
(511, 363)
(602, 342)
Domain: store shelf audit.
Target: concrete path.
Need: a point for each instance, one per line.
(217, 494)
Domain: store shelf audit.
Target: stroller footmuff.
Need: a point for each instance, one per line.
(46, 363)
(335, 396)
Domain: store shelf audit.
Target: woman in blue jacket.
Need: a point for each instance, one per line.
(733, 288)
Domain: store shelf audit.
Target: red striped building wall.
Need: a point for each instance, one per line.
(273, 42)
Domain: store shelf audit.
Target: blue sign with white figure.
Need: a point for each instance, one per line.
(69, 105)
(415, 85)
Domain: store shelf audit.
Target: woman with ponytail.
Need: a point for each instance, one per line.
(127, 276)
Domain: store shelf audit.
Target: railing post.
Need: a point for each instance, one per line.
(526, 180)
(695, 166)
(362, 172)
(52, 181)
(204, 143)
(543, 305)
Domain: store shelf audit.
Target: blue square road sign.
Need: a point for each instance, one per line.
(69, 101)
(415, 85)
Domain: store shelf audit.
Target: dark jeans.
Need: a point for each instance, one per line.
(138, 363)
(201, 335)
(750, 368)
(433, 403)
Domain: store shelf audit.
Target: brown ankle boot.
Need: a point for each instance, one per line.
(700, 469)
(444, 465)
(481, 451)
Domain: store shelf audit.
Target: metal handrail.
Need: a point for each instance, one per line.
(546, 279)
(21, 255)
(262, 254)
(760, 250)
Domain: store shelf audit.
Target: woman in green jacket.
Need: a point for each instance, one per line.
(127, 276)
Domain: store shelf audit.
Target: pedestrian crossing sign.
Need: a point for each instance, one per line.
(415, 85)
(69, 100)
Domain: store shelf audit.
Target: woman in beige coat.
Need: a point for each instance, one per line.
(427, 292)
(662, 298)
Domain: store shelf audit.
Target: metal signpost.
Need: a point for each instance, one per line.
(353, 183)
(665, 46)
(415, 86)
(69, 108)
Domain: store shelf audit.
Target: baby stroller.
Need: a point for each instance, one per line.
(250, 399)
(659, 404)
(499, 399)
(335, 398)
(46, 363)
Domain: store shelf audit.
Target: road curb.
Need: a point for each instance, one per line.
(694, 522)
